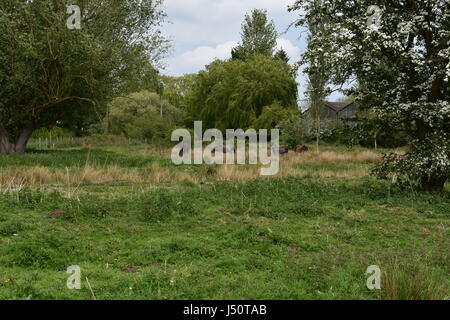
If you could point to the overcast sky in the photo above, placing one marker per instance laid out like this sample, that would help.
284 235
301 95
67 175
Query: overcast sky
203 30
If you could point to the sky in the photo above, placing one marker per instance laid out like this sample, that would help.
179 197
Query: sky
203 30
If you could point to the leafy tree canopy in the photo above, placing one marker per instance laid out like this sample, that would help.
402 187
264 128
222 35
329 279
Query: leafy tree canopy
259 36
49 72
175 89
232 94
137 116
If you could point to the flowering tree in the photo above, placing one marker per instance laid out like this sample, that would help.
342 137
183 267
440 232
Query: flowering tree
318 73
399 54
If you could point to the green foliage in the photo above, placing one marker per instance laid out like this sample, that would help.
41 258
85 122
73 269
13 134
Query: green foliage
52 132
177 88
271 116
370 132
282 56
423 166
77 158
138 116
259 36
232 94
294 130
343 133
49 73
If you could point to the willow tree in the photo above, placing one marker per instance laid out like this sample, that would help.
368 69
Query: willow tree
232 94
399 51
50 73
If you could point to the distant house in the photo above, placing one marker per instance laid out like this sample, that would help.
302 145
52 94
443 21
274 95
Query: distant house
337 110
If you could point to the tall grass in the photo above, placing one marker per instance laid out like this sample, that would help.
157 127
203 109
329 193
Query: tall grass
413 280
108 168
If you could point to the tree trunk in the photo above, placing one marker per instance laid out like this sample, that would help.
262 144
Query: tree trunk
375 140
317 134
22 141
18 146
433 184
5 145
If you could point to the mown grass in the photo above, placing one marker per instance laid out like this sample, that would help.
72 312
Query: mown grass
296 236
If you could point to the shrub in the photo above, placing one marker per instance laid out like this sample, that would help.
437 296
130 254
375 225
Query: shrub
52 132
137 116
294 130
271 116
426 165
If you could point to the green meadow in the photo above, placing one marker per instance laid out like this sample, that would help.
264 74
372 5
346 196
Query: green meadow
140 227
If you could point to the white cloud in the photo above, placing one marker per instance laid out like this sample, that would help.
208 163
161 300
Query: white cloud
215 10
211 22
195 60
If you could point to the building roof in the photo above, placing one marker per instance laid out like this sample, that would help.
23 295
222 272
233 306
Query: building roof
337 106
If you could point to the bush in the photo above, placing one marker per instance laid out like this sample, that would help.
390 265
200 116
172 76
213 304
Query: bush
137 116
426 165
52 132
271 116
294 130
342 132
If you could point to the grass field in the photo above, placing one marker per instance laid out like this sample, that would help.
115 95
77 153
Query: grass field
140 227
